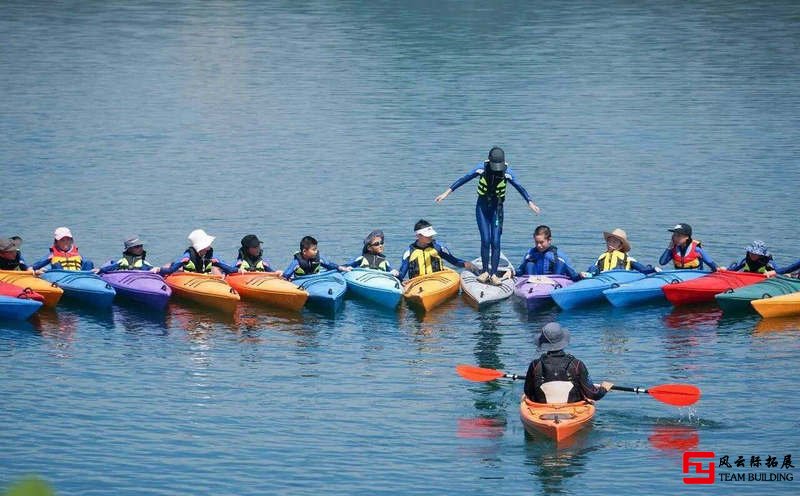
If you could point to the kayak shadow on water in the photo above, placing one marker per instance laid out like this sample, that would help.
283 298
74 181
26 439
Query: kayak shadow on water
693 317
554 464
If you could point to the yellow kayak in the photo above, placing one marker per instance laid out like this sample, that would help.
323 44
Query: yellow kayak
778 306
49 290
205 289
269 289
431 290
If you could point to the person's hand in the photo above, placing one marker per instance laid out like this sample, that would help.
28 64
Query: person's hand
470 266
671 244
395 272
155 270
95 270
533 207
345 268
586 275
606 385
770 273
722 269
241 270
657 269
444 195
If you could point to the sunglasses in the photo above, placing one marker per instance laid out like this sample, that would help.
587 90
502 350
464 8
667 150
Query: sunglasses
377 243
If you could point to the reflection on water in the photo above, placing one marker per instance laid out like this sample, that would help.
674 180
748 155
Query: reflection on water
480 428
778 324
671 437
553 465
693 317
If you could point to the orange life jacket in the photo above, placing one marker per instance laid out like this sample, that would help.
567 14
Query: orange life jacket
691 260
69 260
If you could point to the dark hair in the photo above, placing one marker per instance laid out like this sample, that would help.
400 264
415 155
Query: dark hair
543 230
421 224
307 242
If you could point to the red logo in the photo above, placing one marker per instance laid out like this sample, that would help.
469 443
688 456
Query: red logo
697 467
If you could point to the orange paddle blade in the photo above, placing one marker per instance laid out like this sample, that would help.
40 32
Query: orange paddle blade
675 394
478 374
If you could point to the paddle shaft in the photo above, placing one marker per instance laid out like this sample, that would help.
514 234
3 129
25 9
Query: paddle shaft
636 390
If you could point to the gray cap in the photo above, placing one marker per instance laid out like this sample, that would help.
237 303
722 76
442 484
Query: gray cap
132 241
553 337
10 244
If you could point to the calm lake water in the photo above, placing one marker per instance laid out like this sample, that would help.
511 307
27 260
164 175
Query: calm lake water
331 119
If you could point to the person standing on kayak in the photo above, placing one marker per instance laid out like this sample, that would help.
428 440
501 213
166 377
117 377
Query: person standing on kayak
616 256
556 376
544 258
424 256
10 254
372 256
133 258
199 257
685 252
494 176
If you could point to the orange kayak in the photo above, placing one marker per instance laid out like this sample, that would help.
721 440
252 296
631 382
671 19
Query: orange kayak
778 306
431 290
205 289
49 290
269 289
557 421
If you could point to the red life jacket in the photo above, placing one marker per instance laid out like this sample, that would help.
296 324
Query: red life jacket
691 260
69 260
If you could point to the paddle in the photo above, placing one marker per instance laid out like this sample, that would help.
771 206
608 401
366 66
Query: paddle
671 394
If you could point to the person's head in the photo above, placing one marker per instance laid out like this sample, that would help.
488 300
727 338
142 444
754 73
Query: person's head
134 245
681 234
201 242
496 162
542 238
553 337
424 232
9 247
758 252
373 243
62 238
617 240
251 245
308 248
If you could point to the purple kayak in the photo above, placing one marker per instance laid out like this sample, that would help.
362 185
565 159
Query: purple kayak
535 290
140 286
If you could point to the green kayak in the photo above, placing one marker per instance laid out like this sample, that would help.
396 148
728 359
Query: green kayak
739 299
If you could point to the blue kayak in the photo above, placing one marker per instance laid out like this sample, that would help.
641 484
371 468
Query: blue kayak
12 308
325 290
649 289
375 285
591 290
82 286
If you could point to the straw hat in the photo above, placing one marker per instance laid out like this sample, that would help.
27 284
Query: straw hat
622 236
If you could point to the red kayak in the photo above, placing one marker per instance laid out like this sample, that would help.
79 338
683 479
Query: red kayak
7 289
704 288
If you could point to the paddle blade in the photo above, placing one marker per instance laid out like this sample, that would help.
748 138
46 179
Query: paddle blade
478 374
675 394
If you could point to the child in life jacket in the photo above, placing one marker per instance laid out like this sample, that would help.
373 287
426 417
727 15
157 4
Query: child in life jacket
757 258
616 255
199 257
133 258
63 254
250 258
424 256
308 261
685 252
372 256
11 256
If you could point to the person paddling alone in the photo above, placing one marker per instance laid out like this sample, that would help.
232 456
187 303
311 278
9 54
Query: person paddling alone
556 376
494 175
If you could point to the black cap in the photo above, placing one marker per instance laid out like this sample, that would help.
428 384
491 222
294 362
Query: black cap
682 229
251 241
497 159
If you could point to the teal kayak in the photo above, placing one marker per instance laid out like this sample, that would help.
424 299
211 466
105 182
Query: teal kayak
375 285
738 300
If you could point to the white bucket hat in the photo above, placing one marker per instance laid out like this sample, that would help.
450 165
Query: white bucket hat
200 239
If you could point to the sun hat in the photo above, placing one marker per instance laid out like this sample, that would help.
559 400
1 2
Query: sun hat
62 232
619 233
10 244
200 239
553 337
758 247
132 241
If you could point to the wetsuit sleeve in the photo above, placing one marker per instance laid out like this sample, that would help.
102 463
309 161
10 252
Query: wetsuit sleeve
593 269
22 264
789 268
640 267
666 257
355 263
328 265
177 264
224 267
563 267
588 389
445 253
737 266
111 266
403 271
522 266
706 259
267 266
42 263
289 272
469 176
522 191
530 381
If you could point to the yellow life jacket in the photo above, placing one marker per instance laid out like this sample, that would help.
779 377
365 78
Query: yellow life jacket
132 262
194 261
611 260
372 261
485 187
69 260
246 262
306 267
422 261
